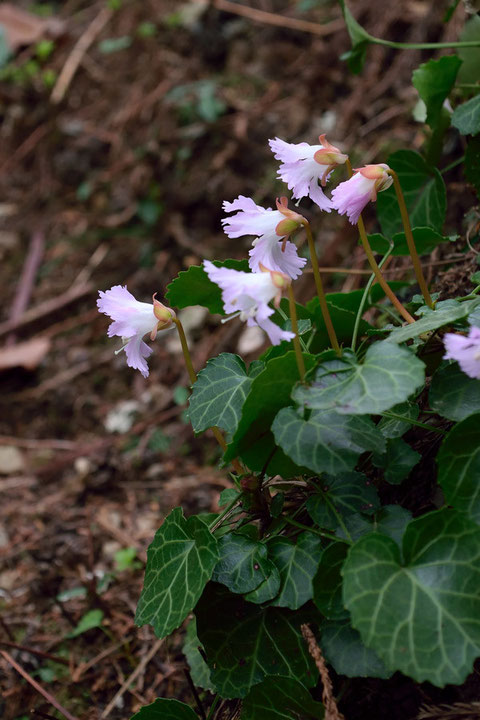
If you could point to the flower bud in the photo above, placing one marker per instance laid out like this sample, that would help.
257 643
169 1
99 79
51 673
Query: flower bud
164 315
330 156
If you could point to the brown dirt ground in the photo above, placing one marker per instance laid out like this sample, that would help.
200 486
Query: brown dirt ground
122 182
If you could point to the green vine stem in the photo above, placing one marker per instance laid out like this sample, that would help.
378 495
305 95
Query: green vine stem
320 292
365 296
424 46
322 533
296 342
193 379
410 241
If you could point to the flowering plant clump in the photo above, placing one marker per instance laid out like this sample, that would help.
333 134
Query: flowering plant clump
319 556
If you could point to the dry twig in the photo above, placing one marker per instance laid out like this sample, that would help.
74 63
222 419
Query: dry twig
331 710
269 18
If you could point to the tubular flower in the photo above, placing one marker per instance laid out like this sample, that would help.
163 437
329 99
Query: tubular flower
303 165
272 228
351 196
132 320
247 295
465 350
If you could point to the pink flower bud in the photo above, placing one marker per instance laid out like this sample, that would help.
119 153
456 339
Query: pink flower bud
350 197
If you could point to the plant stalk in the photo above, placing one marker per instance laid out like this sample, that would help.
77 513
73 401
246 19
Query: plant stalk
193 378
410 241
365 296
296 340
320 292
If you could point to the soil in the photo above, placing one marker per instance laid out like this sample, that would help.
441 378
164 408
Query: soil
121 182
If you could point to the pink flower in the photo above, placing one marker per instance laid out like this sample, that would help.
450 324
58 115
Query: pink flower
465 350
303 165
247 295
132 320
271 228
351 196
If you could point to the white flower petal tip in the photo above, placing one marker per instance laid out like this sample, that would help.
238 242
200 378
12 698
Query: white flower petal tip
303 166
132 320
269 227
247 295
350 197
465 350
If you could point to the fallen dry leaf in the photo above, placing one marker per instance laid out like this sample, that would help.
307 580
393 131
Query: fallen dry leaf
27 354
24 28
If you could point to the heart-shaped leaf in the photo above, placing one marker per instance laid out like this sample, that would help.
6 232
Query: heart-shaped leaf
244 643
180 562
453 394
219 393
344 494
280 698
297 563
326 442
420 613
243 564
434 81
398 460
466 117
459 467
347 654
388 376
164 709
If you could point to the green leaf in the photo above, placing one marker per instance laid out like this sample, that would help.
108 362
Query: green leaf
466 117
163 709
280 698
346 494
326 442
243 563
468 73
269 392
388 376
390 520
193 287
459 467
434 81
297 563
392 427
453 394
424 192
344 650
91 619
421 615
244 643
342 319
426 239
472 163
199 670
359 39
180 562
398 461
267 590
446 312
219 393
327 583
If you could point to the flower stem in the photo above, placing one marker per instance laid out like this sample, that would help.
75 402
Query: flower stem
320 292
410 241
373 263
424 46
296 341
365 296
193 378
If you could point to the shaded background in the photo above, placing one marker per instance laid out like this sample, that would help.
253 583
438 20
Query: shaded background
116 175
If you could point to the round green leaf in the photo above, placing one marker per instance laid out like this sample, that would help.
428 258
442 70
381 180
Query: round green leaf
446 312
466 117
243 564
163 709
327 583
453 394
297 563
421 614
434 81
398 460
345 494
388 376
180 562
244 643
326 442
193 287
267 590
219 393
344 650
459 467
280 698
393 427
